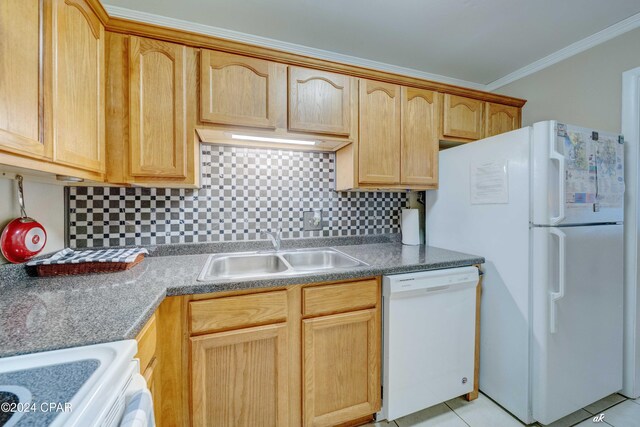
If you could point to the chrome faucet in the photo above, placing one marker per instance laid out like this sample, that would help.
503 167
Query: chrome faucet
275 237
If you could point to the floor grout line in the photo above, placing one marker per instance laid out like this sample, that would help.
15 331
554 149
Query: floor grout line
457 415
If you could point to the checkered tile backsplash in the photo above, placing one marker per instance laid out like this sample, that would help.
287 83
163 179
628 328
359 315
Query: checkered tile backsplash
244 191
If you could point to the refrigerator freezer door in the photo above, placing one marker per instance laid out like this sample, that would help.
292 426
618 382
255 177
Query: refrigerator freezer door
577 317
575 180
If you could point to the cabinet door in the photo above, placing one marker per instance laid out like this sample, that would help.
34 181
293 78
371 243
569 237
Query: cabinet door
500 118
341 368
319 102
239 378
420 114
21 77
462 118
241 91
78 86
379 145
157 114
152 377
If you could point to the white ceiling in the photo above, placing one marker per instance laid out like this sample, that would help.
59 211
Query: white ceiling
475 41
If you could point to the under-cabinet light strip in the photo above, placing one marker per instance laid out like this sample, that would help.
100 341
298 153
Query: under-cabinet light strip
268 139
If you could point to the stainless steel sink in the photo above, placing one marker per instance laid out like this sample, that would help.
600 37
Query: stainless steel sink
246 265
319 260
274 264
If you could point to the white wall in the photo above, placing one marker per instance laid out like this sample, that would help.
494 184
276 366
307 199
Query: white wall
43 202
583 90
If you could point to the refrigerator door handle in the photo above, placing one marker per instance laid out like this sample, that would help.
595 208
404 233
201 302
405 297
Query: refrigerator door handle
554 297
554 155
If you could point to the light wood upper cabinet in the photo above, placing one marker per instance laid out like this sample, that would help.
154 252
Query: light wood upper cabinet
157 112
462 118
419 153
379 148
78 126
241 91
500 118
240 378
21 77
320 102
341 368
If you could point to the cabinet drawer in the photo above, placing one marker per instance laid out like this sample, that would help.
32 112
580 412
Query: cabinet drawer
341 297
238 311
147 339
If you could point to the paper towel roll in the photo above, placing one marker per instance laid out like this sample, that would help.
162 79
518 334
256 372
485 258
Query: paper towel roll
410 227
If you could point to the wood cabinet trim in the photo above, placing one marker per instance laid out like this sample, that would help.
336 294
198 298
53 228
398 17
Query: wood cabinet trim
339 297
147 343
89 15
121 25
239 311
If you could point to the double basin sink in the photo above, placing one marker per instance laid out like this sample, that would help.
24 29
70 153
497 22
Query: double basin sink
274 264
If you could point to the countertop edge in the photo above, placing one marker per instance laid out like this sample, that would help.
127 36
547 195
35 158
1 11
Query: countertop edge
179 289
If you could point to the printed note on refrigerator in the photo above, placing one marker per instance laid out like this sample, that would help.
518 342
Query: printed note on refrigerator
489 182
610 172
580 163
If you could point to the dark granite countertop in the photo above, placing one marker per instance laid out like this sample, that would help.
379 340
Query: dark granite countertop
39 314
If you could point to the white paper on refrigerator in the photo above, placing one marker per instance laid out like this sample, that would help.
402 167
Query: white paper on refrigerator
488 182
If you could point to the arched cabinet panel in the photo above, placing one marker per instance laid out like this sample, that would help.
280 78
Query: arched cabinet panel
241 91
379 147
157 115
319 102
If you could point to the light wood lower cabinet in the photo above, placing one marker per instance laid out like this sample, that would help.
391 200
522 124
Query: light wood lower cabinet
302 355
148 356
341 367
240 378
152 377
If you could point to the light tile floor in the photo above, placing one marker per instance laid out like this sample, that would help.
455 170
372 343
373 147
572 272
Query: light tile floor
484 412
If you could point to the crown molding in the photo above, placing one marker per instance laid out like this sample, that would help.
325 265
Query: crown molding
149 18
615 30
593 40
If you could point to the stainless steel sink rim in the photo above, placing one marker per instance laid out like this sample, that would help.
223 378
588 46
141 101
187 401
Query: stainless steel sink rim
206 275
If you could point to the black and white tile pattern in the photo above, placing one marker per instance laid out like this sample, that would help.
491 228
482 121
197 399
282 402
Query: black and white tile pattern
244 191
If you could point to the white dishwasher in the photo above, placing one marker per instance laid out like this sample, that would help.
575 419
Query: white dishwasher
428 338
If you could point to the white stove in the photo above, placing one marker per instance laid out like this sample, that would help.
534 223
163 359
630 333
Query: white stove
81 386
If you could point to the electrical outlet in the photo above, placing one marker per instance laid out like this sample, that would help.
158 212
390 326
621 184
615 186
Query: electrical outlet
312 220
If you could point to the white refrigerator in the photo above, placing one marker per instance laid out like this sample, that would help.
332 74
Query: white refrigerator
544 206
